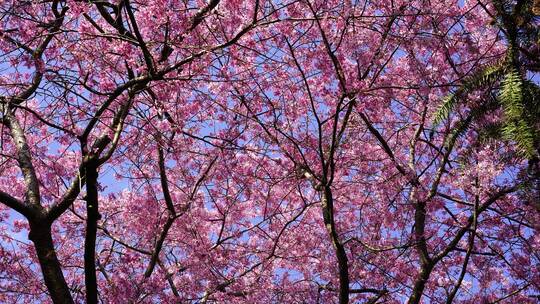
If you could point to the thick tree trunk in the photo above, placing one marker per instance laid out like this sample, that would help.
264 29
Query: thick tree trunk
425 261
41 236
341 255
92 217
420 284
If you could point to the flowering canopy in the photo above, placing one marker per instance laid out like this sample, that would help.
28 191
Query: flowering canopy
261 151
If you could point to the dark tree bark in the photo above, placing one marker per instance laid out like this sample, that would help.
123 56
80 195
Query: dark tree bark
341 255
40 235
92 217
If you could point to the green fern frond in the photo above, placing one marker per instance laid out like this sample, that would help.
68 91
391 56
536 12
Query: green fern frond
518 98
517 128
511 95
475 81
489 132
443 112
464 125
521 134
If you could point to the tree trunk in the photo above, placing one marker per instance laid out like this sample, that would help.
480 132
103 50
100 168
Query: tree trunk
425 261
92 217
420 284
341 255
41 236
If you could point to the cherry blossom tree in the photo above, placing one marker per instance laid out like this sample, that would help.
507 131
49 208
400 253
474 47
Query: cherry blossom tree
264 152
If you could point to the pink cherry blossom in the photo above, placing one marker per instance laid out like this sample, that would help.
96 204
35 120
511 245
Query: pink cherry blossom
259 151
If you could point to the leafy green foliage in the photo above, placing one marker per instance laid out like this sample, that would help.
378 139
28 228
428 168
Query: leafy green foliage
518 97
478 80
516 127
